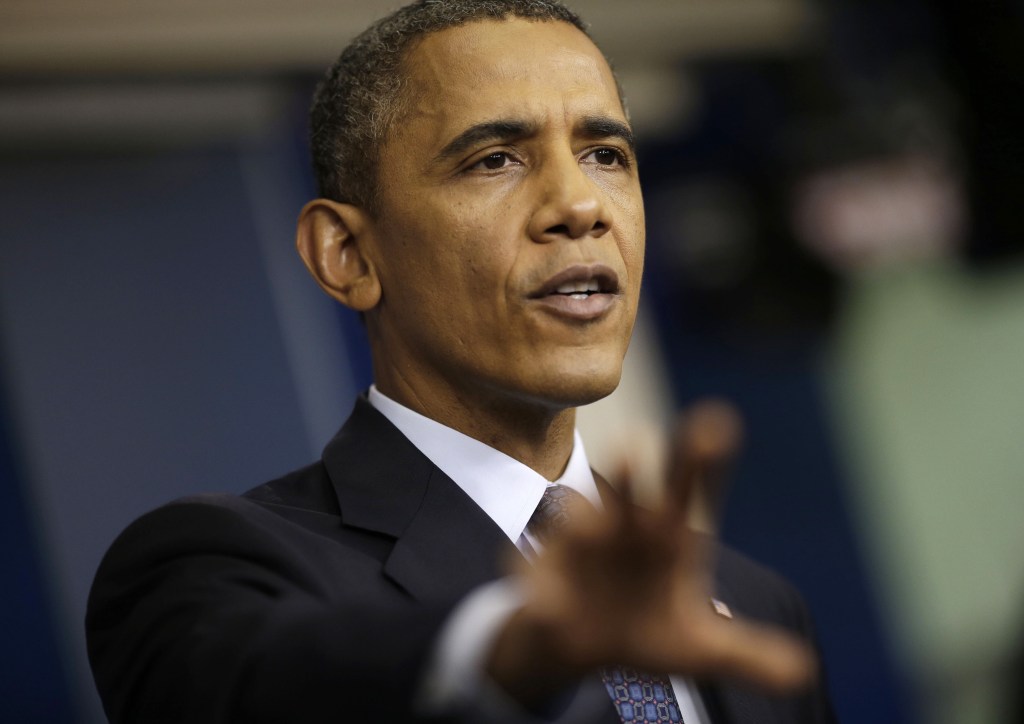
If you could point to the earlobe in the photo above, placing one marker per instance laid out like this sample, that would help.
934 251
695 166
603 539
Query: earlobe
331 239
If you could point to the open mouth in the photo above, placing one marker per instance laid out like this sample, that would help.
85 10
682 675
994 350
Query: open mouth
580 293
579 290
580 282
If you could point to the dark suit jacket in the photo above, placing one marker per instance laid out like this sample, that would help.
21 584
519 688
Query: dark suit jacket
317 597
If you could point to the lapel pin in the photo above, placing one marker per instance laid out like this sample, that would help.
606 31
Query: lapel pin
721 608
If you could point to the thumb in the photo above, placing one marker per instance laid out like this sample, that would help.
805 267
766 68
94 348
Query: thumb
763 655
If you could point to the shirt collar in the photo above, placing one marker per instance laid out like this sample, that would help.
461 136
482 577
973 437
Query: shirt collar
505 489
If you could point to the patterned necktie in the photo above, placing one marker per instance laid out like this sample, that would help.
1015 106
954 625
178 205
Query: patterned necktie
639 698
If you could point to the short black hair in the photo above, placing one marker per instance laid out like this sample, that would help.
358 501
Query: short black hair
361 94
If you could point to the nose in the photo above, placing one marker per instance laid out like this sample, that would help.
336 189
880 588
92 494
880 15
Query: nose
570 206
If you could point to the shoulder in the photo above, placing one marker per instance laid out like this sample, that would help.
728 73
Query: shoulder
259 601
198 534
284 519
189 539
196 522
265 509
308 488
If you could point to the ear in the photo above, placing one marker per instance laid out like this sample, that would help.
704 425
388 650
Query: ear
332 239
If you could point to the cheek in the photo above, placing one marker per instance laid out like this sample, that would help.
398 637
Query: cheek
634 256
632 240
485 257
627 204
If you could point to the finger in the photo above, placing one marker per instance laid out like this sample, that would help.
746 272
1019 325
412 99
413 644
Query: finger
762 655
717 437
681 476
620 509
623 482
706 439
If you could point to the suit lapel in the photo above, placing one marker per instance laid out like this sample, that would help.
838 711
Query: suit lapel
446 544
450 546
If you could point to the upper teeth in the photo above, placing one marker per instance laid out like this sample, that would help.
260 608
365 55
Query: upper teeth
588 285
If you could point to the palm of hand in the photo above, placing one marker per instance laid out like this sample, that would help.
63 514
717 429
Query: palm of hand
629 586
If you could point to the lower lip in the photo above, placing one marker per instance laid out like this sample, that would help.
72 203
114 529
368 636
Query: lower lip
582 309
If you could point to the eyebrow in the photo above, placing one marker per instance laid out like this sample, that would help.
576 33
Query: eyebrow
487 132
598 127
507 130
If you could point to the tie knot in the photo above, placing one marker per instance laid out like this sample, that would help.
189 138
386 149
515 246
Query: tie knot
552 512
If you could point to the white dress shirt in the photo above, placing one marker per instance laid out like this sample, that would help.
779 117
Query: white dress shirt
508 492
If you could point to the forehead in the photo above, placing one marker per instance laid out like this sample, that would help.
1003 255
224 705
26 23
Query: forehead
505 69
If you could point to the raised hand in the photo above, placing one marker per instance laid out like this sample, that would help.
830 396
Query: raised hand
632 587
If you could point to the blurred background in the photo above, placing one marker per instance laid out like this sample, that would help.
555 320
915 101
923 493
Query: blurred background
834 243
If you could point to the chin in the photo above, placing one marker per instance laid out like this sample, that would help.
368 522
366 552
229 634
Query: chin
579 386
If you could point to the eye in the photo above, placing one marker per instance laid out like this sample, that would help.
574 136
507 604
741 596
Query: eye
493 161
606 156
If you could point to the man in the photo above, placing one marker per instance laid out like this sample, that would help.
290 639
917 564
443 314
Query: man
481 208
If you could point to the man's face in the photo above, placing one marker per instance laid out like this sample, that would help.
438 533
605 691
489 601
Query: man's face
510 234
